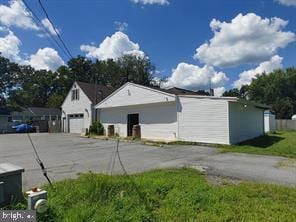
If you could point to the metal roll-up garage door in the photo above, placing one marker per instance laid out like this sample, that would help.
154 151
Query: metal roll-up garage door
76 123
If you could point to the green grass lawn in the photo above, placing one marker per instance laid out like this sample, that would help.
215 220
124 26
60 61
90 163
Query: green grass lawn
167 195
282 143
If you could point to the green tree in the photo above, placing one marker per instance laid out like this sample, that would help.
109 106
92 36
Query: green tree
232 93
26 86
128 68
107 72
9 73
136 69
34 88
277 89
240 93
55 100
80 69
2 101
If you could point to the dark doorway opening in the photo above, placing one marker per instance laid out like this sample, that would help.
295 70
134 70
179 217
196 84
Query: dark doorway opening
132 119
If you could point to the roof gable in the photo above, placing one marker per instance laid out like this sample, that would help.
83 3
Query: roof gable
134 94
95 92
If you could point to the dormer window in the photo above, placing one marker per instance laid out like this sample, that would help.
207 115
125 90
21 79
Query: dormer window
75 94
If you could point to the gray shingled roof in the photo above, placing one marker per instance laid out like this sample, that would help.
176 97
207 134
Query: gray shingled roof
42 111
176 91
96 93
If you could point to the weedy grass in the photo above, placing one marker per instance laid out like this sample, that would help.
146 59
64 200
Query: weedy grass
166 195
282 143
287 163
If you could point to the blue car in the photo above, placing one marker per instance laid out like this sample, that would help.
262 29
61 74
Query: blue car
23 128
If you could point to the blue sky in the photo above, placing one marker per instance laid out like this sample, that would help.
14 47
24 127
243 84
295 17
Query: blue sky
169 32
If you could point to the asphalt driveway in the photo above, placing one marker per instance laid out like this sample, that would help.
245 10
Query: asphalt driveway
66 155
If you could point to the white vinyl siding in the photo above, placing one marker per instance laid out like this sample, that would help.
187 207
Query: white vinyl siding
164 116
203 120
81 106
131 94
157 121
245 122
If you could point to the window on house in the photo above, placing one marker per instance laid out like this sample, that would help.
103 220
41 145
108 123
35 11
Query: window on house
75 94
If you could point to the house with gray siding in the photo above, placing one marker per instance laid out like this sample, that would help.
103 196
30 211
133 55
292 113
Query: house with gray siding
181 115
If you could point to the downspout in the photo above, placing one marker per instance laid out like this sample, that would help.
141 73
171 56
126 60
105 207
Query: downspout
64 124
96 99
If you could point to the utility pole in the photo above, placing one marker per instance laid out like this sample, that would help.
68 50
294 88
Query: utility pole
211 90
96 97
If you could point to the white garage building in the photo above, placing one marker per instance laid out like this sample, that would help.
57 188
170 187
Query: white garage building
78 110
177 114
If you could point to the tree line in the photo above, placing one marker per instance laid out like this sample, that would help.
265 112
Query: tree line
276 89
24 86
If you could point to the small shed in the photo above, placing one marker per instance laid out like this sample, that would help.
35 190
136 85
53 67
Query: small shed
269 122
178 114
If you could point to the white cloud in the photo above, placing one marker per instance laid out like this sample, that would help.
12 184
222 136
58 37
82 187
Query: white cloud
9 46
219 91
113 47
156 81
245 78
16 15
46 58
192 77
287 2
151 2
247 39
46 23
120 26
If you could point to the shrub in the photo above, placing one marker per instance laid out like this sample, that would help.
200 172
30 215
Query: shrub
96 128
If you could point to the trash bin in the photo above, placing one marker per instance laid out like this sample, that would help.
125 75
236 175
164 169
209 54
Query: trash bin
110 130
136 132
11 183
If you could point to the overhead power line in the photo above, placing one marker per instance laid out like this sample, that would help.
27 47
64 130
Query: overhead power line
54 28
39 160
141 194
47 34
